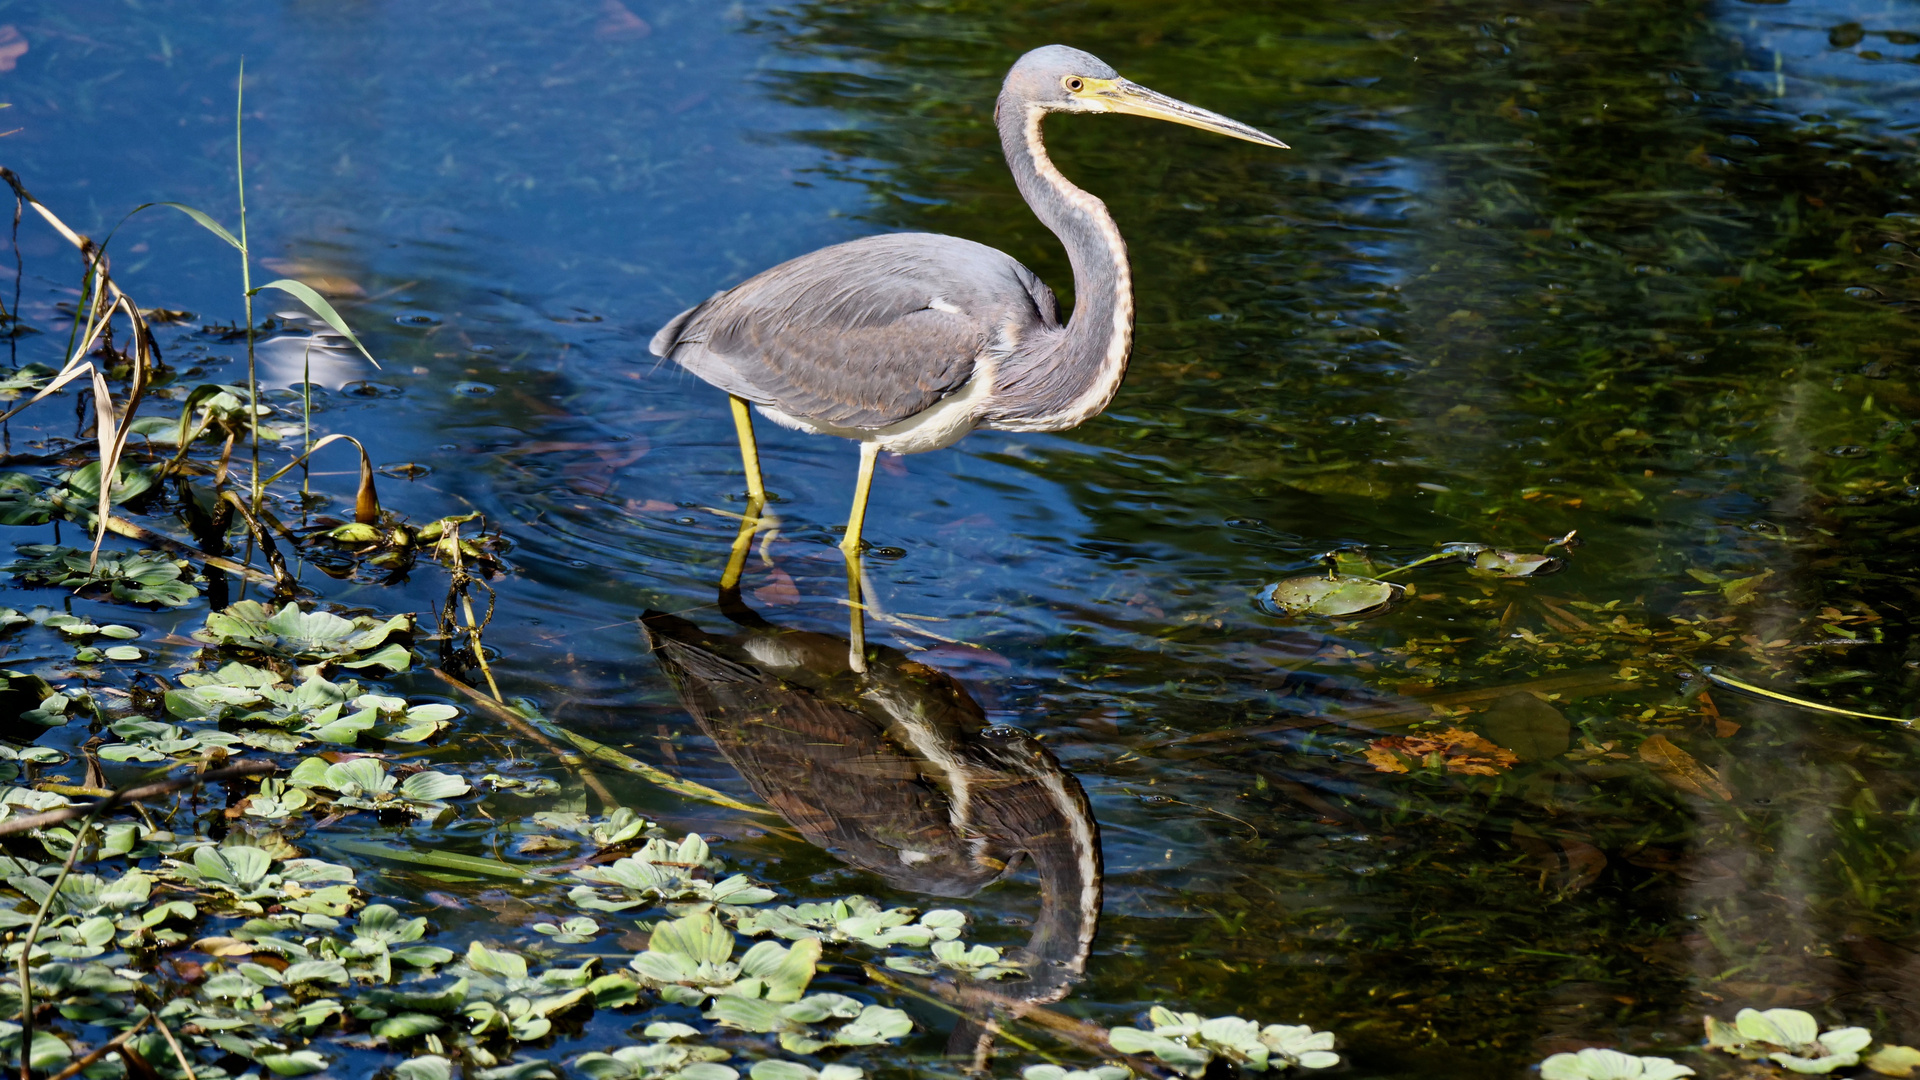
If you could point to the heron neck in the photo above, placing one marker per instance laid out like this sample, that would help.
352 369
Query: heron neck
1067 380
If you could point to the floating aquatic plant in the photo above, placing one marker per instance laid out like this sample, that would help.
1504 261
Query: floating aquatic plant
1187 1043
1057 1072
689 959
142 577
805 1026
975 961
666 1059
1598 1064
1342 596
1788 1037
662 871
310 637
772 1069
620 826
855 918
364 784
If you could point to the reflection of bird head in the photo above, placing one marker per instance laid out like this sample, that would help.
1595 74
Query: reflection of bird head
895 771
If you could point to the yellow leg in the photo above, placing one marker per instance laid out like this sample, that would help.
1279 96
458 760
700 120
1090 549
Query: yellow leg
857 518
750 523
850 547
749 450
856 617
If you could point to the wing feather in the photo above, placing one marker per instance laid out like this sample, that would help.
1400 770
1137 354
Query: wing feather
862 334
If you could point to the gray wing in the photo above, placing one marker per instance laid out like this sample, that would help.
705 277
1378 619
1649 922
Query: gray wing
862 334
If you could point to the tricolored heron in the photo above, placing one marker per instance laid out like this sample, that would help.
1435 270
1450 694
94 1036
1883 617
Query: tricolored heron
907 341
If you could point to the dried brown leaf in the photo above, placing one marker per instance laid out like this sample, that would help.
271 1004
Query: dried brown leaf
1677 767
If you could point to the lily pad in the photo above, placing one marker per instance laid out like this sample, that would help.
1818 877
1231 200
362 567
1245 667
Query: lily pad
1331 596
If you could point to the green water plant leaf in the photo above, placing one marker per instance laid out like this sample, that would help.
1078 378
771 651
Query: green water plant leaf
974 961
1187 1043
1789 1038
48 1049
570 931
1598 1064
659 1060
689 959
620 826
1331 596
239 876
310 636
424 1067
660 871
853 918
1058 1072
522 1069
797 1023
297 1063
363 783
142 577
1902 1061
774 1069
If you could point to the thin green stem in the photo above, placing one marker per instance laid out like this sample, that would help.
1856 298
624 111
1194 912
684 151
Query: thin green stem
33 934
246 279
306 420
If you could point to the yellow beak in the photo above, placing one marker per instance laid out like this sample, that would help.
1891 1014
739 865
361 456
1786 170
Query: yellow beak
1122 96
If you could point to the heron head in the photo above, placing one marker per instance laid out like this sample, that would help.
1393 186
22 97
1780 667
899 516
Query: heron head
1058 78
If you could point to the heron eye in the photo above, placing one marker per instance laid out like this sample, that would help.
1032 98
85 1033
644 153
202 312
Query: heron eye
1075 83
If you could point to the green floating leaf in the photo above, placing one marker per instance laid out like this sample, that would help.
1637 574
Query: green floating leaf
1901 1061
310 636
144 577
424 1067
1598 1064
1337 596
298 1063
433 786
792 1070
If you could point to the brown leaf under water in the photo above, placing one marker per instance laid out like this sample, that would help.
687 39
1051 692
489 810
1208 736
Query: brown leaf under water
618 22
780 591
1459 751
13 46
321 277
1677 767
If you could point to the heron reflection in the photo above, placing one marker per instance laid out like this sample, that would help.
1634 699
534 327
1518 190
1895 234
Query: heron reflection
896 771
